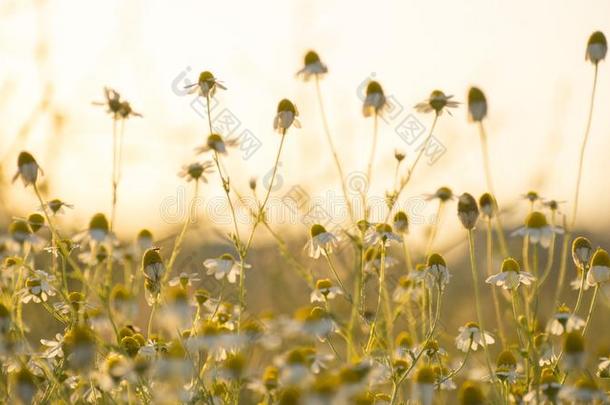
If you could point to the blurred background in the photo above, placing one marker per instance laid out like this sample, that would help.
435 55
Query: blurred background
528 57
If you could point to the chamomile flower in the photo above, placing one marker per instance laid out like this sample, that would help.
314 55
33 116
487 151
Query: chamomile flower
375 101
584 391
437 102
401 222
21 233
53 347
184 279
313 66
488 205
603 367
117 107
597 47
424 385
381 234
224 266
37 288
564 321
286 116
154 270
574 351
405 291
218 144
538 230
546 354
506 367
196 171
547 391
599 271
404 345
372 260
56 206
468 211
471 337
98 231
320 241
144 240
443 194
471 394
582 251
477 104
206 85
436 272
324 291
27 169
510 276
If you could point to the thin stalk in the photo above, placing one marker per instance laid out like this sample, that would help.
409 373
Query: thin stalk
591 308
180 238
582 149
494 292
334 150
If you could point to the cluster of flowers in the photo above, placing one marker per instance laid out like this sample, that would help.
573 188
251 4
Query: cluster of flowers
348 346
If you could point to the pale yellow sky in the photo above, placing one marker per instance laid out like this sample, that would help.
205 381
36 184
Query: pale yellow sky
527 56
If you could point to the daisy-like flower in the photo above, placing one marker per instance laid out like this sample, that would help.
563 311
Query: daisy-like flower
286 116
597 47
56 206
506 367
381 234
553 205
443 194
206 85
375 101
313 66
488 205
547 391
477 104
21 233
401 222
574 351
471 337
563 321
217 144
538 230
225 265
27 169
603 367
53 347
404 345
510 276
98 231
437 102
584 391
153 269
144 240
372 260
424 385
532 197
118 108
196 171
436 271
582 251
324 291
599 272
405 291
546 354
468 211
37 288
471 394
320 241
184 279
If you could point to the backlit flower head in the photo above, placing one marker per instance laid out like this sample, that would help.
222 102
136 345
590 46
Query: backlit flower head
597 47
27 169
286 116
468 211
56 206
443 194
324 291
584 391
538 230
563 321
115 106
401 222
437 273
437 102
36 221
37 288
320 241
206 85
218 144
573 351
197 171
477 104
599 272
471 337
313 66
471 394
511 276
381 233
582 251
488 205
224 266
375 101
424 384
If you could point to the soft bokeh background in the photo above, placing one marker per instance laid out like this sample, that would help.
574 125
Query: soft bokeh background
56 57
527 56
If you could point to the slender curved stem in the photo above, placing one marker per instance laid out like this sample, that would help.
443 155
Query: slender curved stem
494 292
582 150
591 308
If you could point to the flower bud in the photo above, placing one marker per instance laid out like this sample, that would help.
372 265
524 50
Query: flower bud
581 252
468 211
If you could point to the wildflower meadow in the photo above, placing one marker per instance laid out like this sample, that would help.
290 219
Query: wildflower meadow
87 316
